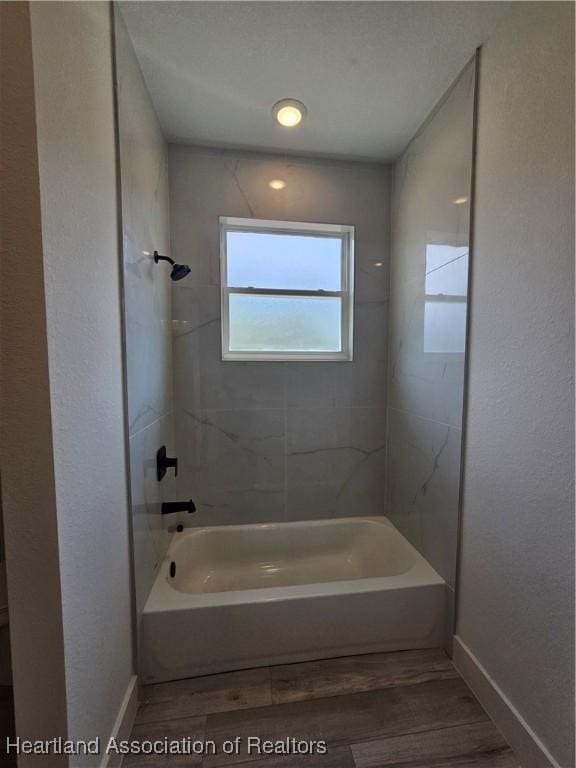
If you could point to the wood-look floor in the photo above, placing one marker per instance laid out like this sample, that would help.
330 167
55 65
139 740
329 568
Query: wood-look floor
7 726
409 709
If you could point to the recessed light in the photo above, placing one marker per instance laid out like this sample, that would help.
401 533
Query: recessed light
460 200
289 112
378 263
277 184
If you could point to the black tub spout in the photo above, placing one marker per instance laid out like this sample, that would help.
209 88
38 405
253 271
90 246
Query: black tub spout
178 506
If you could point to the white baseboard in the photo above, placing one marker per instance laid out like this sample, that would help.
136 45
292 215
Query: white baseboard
124 722
529 750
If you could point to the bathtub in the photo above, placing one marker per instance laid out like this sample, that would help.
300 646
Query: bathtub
240 596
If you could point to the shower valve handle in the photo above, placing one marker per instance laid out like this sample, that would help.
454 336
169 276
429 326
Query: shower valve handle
163 463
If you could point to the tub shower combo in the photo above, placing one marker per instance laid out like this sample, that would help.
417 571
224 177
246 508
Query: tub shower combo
303 356
335 587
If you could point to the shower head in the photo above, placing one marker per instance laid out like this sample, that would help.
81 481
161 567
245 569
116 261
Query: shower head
178 270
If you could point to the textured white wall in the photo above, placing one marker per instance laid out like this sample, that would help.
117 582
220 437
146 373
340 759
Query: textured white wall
515 607
26 458
76 147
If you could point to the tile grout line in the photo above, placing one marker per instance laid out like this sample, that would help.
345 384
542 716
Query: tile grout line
424 418
289 408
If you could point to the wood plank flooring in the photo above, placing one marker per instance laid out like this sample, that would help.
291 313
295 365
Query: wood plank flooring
409 709
7 725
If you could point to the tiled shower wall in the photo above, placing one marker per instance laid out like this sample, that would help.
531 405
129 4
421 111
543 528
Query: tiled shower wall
431 205
265 441
148 309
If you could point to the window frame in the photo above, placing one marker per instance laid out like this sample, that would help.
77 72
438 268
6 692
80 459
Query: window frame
344 232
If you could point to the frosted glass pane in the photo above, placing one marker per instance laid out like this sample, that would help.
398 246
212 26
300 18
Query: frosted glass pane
285 323
263 260
445 326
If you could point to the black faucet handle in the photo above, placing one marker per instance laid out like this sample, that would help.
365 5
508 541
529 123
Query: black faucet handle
163 463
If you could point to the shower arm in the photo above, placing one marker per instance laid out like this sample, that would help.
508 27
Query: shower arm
158 258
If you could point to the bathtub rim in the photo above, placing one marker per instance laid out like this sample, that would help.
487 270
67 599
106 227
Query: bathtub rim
164 598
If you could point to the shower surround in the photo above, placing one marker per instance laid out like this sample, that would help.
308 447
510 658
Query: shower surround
147 309
268 441
428 276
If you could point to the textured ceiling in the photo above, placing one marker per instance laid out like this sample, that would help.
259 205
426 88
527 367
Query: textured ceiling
368 72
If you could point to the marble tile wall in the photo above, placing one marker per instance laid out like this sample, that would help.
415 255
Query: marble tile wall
148 308
265 441
430 235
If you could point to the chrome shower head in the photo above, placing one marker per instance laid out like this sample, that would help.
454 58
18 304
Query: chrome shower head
178 270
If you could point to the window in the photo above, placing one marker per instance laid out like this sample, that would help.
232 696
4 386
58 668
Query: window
446 291
287 290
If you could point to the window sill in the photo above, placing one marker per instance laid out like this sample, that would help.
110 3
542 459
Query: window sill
287 357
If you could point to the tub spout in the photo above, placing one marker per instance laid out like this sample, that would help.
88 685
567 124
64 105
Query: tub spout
178 506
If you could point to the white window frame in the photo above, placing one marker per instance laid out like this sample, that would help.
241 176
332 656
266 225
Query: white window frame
343 232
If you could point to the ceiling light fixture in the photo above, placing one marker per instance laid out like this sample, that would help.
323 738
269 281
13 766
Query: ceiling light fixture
289 112
277 184
460 200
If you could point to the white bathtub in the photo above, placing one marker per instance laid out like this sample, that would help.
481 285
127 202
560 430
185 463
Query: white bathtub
252 595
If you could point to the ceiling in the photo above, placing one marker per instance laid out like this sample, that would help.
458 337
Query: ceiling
368 72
